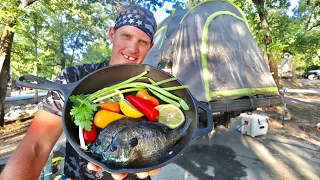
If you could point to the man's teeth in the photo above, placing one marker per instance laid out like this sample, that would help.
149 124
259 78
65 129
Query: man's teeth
130 58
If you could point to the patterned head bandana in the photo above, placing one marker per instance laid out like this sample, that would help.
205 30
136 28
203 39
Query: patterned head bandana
138 17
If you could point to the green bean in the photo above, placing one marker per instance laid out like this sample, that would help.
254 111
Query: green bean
164 98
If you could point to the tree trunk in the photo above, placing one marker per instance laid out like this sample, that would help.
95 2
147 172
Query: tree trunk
294 76
5 51
35 72
74 47
63 59
273 68
260 5
35 64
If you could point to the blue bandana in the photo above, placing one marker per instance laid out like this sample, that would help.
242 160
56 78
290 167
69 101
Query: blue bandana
144 20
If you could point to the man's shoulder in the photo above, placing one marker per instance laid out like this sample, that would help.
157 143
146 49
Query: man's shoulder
77 72
88 66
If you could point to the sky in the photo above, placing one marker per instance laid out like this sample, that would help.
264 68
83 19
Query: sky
294 3
160 14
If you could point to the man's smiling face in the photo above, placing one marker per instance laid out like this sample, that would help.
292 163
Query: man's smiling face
130 45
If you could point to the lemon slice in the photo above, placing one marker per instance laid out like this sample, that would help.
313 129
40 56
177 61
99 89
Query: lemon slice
129 110
170 115
115 98
159 107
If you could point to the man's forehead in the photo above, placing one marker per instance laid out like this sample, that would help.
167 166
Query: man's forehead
134 31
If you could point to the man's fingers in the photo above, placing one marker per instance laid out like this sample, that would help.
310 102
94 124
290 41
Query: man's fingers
119 176
142 175
94 167
154 172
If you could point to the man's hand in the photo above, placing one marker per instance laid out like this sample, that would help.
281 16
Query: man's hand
140 175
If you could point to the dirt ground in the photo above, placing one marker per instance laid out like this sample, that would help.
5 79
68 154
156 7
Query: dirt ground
300 84
303 109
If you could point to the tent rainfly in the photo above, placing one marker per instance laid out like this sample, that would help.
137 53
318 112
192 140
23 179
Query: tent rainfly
212 50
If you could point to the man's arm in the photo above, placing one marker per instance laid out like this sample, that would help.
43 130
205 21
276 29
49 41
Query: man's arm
32 153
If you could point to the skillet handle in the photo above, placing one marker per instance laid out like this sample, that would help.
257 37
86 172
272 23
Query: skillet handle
42 83
208 129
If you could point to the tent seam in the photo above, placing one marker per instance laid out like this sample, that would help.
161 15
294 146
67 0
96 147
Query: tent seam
165 32
204 48
242 91
231 3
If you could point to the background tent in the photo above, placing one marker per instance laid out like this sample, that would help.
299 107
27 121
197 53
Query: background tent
213 51
285 67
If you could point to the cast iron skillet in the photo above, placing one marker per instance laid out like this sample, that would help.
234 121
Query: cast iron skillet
111 75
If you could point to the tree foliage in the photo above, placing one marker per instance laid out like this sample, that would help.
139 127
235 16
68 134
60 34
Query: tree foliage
97 52
45 36
67 31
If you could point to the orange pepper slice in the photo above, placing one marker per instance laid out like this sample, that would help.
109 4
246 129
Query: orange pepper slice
103 117
146 96
110 106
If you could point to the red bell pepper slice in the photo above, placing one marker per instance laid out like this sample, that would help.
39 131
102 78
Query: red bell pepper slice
90 136
142 105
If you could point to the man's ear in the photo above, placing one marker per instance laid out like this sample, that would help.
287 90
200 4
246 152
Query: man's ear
151 45
111 34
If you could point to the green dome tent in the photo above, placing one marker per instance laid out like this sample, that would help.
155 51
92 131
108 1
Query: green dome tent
212 50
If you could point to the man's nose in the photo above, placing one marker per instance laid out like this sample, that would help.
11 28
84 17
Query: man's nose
133 47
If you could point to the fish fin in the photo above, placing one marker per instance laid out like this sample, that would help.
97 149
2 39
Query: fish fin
183 129
165 127
186 125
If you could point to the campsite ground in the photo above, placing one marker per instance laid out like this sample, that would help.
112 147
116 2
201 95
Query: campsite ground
285 152
304 109
299 135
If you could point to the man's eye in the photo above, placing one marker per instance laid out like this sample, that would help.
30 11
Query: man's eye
126 36
143 42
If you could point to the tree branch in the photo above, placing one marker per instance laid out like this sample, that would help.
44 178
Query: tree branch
58 64
309 19
28 3
316 25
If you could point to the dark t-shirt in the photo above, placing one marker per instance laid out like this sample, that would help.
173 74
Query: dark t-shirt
75 166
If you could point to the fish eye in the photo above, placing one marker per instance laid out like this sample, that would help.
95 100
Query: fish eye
113 148
133 142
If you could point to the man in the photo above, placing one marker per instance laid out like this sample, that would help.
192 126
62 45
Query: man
132 38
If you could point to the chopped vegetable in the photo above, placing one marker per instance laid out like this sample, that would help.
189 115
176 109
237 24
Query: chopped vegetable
146 96
164 98
115 98
164 81
90 136
82 111
150 112
116 93
84 106
116 86
110 106
182 103
129 110
82 143
103 117
176 88
170 115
